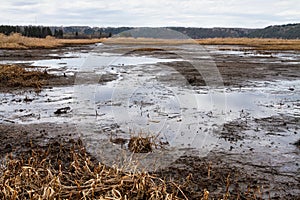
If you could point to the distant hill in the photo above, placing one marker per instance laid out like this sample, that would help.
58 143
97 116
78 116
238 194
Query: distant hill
194 33
198 33
288 31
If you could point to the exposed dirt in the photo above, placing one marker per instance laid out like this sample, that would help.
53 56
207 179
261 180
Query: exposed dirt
17 138
237 70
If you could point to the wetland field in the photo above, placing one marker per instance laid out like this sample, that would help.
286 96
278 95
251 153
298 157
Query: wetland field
215 119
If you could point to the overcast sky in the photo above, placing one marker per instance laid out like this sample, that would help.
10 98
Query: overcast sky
153 13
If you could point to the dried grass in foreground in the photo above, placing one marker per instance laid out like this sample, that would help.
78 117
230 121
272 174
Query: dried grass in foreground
18 76
62 172
17 41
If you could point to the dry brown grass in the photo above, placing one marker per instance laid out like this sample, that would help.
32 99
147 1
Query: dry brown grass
18 76
140 144
16 41
145 143
62 172
257 43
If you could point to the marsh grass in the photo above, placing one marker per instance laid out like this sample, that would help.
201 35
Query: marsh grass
17 41
68 172
256 43
19 76
64 170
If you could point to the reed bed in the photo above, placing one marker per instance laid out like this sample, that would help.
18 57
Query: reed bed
68 172
17 41
64 170
256 43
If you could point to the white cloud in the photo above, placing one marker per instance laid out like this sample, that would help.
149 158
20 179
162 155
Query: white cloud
200 13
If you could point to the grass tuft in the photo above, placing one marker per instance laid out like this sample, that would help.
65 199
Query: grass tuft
145 143
140 144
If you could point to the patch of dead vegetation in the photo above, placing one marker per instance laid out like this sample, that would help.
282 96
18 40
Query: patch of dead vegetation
17 41
140 144
145 143
18 76
66 171
257 43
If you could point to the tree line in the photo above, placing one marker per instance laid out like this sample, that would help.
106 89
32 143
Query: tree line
31 31
287 31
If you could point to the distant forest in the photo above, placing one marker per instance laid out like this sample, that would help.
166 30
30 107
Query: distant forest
31 31
288 31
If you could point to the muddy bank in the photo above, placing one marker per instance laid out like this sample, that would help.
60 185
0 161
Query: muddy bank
193 173
17 138
220 173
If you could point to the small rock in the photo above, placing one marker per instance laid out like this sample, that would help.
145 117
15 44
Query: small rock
297 143
62 110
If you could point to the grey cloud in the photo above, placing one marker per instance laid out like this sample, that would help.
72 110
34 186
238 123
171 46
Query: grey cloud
212 13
